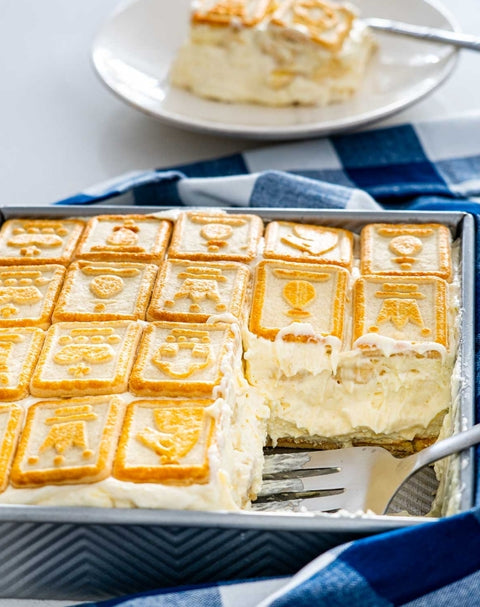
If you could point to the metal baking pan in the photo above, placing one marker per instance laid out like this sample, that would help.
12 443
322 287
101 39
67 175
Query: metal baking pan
93 553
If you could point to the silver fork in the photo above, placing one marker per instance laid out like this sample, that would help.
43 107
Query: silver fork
354 479
422 32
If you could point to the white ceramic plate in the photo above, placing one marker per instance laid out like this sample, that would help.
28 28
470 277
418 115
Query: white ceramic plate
135 47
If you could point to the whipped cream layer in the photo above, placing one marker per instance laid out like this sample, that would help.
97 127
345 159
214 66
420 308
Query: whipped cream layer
270 65
313 393
378 388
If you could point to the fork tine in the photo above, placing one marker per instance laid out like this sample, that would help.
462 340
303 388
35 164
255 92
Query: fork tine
330 503
323 483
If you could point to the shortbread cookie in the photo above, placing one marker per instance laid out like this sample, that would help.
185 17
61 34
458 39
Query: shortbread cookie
96 290
191 291
68 441
273 52
165 441
412 309
86 358
216 236
287 293
245 12
11 417
28 294
19 351
179 359
406 250
35 241
308 243
142 238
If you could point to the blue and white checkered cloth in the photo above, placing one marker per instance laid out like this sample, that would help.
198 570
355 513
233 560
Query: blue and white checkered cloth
429 166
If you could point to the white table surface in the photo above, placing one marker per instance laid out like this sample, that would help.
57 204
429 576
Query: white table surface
62 131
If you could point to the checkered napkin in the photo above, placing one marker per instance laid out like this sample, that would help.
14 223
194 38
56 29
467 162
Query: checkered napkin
430 166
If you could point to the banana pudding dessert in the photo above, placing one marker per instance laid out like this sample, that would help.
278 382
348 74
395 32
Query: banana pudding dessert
149 364
273 52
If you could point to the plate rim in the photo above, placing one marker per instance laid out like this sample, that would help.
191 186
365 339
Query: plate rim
284 132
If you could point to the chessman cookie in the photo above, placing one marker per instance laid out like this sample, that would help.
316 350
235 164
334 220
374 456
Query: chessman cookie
246 12
406 250
39 241
68 441
142 238
11 417
19 351
204 236
165 441
287 293
179 359
188 291
412 309
28 294
308 243
86 358
96 291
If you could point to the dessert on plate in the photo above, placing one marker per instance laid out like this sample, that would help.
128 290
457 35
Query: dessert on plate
273 52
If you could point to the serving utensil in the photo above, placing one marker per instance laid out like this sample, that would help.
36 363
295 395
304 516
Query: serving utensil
422 32
353 479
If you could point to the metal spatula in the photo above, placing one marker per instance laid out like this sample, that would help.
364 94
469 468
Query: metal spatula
354 479
422 32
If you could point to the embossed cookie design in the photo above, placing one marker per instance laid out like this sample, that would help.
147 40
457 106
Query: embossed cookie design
165 441
19 351
28 294
86 358
406 250
224 12
285 293
35 241
11 417
105 291
412 309
178 359
308 243
68 441
326 23
211 236
193 291
141 238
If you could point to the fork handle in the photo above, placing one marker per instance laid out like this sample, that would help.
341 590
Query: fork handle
447 446
425 33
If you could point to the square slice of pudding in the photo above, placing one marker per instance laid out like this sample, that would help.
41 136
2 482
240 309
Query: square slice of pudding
199 236
68 441
39 241
105 291
28 294
165 441
82 358
178 359
188 291
273 52
141 238
308 243
406 250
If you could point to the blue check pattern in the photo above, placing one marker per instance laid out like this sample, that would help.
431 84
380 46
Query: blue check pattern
429 166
